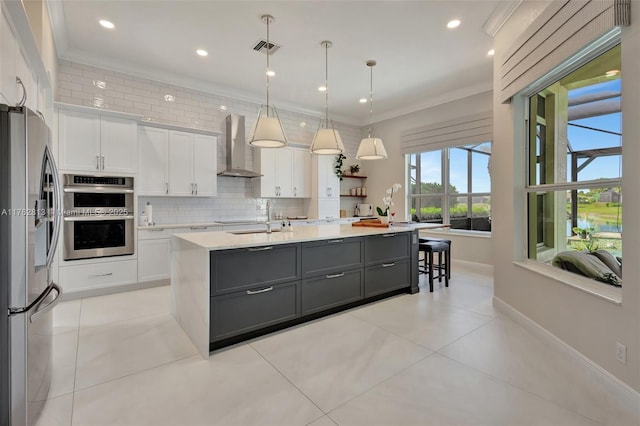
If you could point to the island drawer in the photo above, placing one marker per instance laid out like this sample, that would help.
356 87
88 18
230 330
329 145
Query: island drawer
337 254
330 290
249 310
245 268
387 247
386 277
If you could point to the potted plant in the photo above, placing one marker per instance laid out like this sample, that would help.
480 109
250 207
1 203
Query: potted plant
355 168
385 212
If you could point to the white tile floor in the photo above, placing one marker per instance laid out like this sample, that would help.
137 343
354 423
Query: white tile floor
427 359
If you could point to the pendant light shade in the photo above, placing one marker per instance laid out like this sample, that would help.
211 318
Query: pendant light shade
268 131
371 148
327 140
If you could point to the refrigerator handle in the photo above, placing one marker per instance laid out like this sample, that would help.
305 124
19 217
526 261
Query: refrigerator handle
57 208
39 309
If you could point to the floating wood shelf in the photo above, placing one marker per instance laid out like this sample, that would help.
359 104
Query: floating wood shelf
354 196
354 176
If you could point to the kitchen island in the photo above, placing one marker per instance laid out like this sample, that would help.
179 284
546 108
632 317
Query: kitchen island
229 287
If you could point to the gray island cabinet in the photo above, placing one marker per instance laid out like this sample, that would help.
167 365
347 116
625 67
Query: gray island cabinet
228 288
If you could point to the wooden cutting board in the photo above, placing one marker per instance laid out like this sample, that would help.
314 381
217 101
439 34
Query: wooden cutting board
371 224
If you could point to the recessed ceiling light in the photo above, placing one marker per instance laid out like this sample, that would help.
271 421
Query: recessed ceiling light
303 124
363 100
271 72
223 107
612 73
453 24
107 24
491 52
322 89
169 98
202 52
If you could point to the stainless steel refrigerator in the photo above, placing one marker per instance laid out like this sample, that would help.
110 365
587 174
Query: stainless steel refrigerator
30 218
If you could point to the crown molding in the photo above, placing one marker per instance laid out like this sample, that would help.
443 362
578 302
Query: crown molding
500 15
58 25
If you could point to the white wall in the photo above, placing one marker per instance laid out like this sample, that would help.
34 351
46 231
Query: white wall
384 173
585 321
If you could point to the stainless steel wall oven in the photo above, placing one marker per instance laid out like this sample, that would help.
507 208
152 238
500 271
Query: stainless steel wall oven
98 216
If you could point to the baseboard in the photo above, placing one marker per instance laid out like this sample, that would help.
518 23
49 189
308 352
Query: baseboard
80 294
556 342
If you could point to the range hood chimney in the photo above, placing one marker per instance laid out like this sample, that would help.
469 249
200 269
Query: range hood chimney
236 146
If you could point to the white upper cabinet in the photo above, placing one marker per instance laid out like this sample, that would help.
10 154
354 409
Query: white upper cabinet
95 142
328 184
205 163
285 172
177 163
8 49
301 173
153 152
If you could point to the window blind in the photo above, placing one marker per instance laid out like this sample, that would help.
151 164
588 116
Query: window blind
461 131
564 28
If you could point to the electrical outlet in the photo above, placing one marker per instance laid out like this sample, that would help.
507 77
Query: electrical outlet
621 352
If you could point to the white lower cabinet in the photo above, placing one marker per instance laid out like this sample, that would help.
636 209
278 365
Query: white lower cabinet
153 259
91 276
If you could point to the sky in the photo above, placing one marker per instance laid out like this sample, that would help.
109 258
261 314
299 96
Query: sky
603 167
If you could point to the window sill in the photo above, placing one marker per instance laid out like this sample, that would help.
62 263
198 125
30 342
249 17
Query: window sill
609 293
459 232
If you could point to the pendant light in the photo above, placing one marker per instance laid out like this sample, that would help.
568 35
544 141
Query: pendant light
268 131
371 148
327 140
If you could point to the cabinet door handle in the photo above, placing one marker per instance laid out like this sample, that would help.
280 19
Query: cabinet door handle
334 241
295 191
103 162
166 187
196 188
23 99
260 248
108 274
388 265
197 227
388 235
97 162
264 290
341 274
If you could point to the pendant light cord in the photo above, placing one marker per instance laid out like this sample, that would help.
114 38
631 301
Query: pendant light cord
370 100
326 83
267 71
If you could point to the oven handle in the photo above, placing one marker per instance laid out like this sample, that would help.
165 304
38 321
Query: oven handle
98 190
97 217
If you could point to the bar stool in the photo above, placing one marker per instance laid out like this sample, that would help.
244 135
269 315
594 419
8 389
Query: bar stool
429 248
448 254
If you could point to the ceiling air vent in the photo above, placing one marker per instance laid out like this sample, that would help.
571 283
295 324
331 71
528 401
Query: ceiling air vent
261 46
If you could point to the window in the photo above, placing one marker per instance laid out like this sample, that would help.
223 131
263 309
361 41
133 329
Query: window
574 190
452 186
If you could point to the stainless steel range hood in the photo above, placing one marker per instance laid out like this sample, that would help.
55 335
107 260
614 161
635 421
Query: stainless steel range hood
236 147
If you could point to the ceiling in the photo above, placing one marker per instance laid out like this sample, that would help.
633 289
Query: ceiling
421 63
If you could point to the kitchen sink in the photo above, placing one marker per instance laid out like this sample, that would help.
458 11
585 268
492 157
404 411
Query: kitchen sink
252 231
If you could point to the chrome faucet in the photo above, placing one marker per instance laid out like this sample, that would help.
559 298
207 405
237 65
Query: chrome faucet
268 222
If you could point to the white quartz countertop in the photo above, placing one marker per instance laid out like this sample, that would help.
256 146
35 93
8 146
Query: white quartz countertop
221 240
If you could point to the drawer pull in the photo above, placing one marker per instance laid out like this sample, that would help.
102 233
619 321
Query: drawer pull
260 248
157 230
264 290
108 274
388 265
198 227
388 235
334 241
336 275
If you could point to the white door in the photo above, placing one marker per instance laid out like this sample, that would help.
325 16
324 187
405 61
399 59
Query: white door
284 171
153 259
205 165
181 164
153 154
119 149
79 141
8 47
268 180
328 208
301 173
